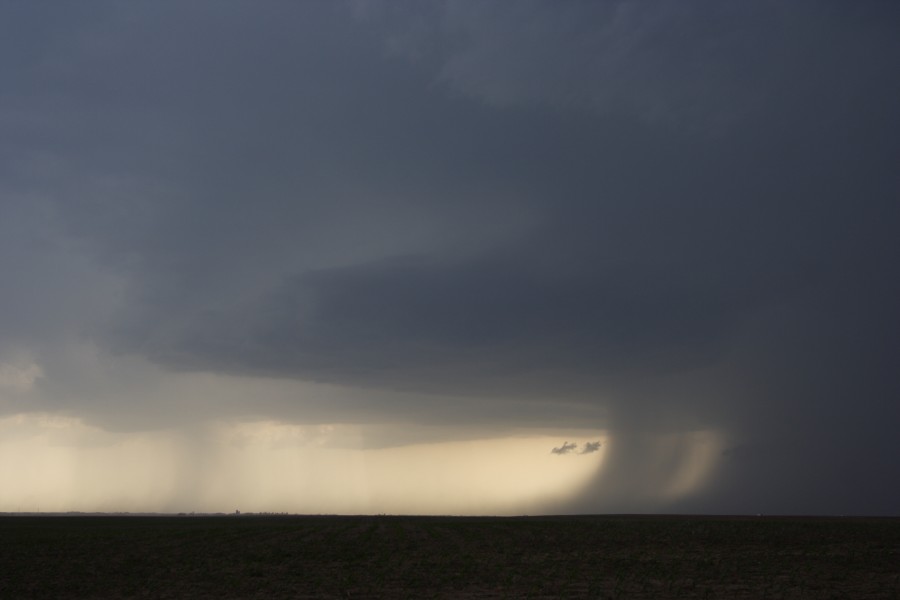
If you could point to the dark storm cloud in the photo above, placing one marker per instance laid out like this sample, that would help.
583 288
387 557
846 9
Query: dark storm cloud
653 216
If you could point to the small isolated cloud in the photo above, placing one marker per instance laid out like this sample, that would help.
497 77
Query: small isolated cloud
566 448
590 447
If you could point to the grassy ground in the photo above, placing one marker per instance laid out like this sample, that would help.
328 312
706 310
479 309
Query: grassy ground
444 557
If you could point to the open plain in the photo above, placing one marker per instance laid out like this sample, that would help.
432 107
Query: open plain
448 557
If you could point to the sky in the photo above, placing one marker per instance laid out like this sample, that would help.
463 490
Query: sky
450 257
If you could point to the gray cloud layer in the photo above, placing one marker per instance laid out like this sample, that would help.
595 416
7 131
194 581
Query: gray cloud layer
638 216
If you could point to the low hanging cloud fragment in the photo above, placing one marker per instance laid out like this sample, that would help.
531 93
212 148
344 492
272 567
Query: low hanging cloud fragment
566 448
571 447
590 447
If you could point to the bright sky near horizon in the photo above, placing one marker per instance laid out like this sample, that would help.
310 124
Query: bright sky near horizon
277 467
450 256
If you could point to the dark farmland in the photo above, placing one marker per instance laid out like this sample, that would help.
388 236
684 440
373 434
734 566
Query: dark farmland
448 557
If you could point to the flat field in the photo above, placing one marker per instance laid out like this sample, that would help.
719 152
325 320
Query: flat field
448 557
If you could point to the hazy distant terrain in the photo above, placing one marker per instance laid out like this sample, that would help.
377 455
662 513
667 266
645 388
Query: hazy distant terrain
448 557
